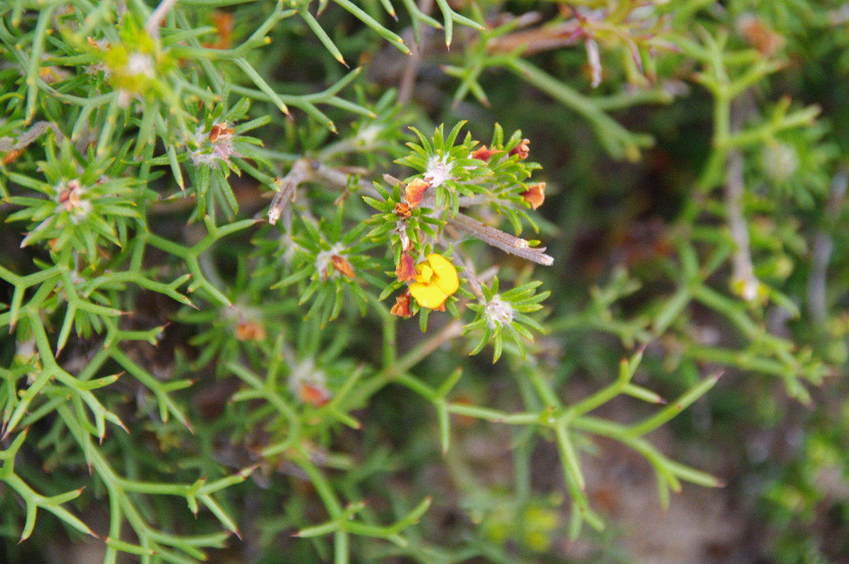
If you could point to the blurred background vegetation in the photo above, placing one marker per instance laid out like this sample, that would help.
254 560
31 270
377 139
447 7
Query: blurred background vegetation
695 208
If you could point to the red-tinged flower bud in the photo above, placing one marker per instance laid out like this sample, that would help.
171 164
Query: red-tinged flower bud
415 191
535 194
402 209
12 156
522 150
483 154
250 331
342 265
313 394
220 130
71 195
406 269
402 306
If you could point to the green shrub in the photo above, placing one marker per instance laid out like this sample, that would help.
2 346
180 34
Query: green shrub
250 245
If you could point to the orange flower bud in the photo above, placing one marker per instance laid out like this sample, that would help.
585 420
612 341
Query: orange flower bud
250 331
415 191
402 306
12 156
535 194
483 154
402 209
522 150
313 394
220 130
406 269
342 265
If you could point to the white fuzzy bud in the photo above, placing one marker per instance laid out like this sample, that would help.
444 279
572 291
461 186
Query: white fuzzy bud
498 312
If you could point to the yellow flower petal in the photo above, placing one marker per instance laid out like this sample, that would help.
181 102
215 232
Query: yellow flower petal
446 274
428 295
436 279
425 273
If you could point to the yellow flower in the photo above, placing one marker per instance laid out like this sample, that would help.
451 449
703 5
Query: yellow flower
436 279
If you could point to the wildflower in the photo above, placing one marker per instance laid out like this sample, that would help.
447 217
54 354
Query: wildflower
12 156
483 154
498 313
313 394
250 331
402 209
406 269
216 145
415 191
535 194
438 171
402 306
70 195
70 199
246 322
333 258
522 150
220 130
436 279
309 384
341 264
